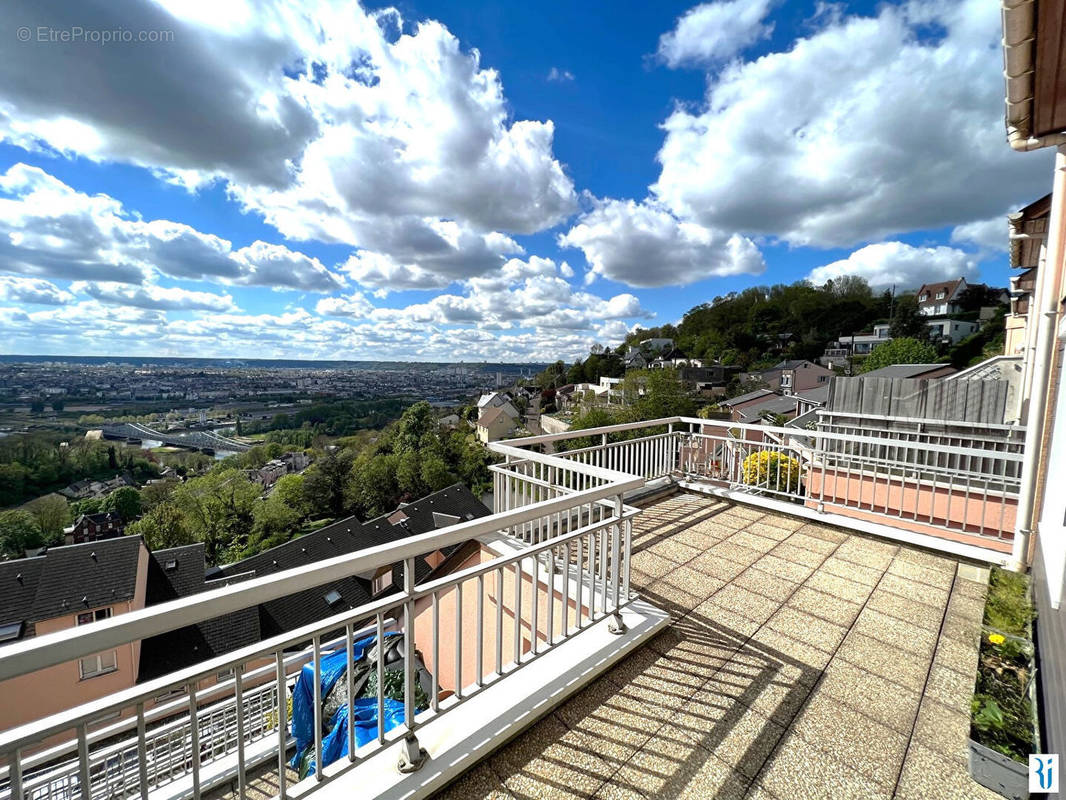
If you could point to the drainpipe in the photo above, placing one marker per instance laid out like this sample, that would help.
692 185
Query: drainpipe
1054 257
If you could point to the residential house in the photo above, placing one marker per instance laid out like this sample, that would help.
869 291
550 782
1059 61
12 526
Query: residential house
498 400
94 527
940 299
951 331
706 378
494 423
789 377
768 409
810 399
1036 118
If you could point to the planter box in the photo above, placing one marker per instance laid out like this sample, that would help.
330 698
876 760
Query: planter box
998 772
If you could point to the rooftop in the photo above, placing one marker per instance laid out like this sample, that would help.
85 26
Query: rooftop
802 661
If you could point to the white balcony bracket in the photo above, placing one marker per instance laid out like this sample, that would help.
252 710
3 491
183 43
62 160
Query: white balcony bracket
412 756
616 625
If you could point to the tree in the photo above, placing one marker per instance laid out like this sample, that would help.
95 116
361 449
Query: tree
90 505
217 510
907 321
325 483
155 494
19 532
58 404
900 351
163 526
52 513
289 489
37 407
126 502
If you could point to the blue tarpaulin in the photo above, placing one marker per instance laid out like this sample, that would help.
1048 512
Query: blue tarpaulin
335 742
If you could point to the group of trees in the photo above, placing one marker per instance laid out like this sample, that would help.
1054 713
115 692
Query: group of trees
337 418
33 465
648 394
365 475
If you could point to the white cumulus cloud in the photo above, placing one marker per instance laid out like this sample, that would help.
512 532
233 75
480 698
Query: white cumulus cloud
712 32
901 265
643 244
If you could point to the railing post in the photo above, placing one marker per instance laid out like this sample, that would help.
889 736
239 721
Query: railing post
412 756
616 625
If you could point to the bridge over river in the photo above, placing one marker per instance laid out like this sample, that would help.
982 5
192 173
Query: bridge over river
207 441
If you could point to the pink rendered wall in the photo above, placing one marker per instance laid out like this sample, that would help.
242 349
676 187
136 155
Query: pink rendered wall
54 689
497 593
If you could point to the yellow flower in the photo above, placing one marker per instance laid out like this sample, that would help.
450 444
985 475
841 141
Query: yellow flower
996 638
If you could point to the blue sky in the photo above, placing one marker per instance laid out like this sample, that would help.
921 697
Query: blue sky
444 181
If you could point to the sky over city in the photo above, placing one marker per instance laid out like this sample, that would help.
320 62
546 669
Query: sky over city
481 181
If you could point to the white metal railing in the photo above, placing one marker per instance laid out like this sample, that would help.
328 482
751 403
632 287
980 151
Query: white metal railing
114 751
573 572
901 474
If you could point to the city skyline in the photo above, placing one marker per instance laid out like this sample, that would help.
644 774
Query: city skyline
481 183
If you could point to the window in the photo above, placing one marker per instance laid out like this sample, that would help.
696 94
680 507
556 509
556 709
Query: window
924 297
823 378
941 295
94 616
101 663
382 581
333 597
224 675
8 633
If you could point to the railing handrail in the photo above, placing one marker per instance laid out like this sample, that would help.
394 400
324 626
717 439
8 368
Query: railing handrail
73 643
510 446
959 423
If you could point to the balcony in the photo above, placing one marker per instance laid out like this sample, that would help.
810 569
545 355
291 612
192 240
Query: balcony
800 619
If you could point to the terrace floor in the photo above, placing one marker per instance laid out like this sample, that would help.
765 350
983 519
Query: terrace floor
804 662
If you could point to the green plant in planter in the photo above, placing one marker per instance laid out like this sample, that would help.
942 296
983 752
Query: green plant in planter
1007 608
394 688
1001 711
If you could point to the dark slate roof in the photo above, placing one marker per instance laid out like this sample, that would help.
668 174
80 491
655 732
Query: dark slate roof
18 588
190 645
90 575
175 572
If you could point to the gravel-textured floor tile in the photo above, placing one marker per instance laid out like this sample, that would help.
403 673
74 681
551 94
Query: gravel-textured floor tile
857 741
783 568
880 658
927 774
550 761
888 703
820 604
790 775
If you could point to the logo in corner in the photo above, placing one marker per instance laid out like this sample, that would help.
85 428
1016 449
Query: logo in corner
1043 773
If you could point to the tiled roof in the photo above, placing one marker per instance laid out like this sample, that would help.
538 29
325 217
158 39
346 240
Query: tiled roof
192 644
933 288
175 572
18 588
90 575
